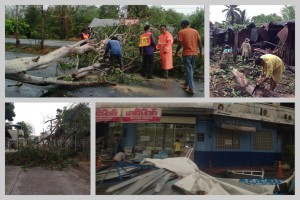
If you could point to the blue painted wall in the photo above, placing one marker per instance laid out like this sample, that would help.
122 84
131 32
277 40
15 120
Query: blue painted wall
205 152
234 159
129 135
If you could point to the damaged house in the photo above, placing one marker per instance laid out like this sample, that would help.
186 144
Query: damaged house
275 37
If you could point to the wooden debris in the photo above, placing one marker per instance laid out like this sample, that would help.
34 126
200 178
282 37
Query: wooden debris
259 92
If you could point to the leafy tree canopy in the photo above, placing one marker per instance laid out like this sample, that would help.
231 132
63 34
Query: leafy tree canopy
9 111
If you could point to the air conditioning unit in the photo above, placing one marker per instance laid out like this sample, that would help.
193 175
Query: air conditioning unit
288 117
221 107
264 112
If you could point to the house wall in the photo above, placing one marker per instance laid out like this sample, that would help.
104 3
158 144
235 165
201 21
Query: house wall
207 155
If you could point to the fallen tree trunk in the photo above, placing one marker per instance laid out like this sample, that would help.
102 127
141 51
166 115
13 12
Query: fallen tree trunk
259 92
40 62
43 81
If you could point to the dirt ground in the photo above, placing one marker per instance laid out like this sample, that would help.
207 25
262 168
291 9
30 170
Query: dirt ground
223 83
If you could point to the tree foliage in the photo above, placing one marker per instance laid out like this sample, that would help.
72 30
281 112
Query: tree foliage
197 22
73 121
231 13
27 128
262 18
108 11
243 19
9 111
288 12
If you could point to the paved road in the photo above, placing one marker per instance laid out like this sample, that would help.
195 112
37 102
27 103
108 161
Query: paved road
157 87
39 181
52 43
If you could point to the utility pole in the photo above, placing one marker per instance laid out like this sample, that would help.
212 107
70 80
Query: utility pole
17 27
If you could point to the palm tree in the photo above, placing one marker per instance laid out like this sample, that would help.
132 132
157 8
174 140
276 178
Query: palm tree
232 13
243 19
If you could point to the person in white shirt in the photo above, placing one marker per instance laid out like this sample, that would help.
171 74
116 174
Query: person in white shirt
119 156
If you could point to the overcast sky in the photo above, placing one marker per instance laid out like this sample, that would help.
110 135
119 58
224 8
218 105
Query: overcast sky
36 113
185 9
251 10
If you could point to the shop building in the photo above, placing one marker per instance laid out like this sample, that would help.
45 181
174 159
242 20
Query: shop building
221 135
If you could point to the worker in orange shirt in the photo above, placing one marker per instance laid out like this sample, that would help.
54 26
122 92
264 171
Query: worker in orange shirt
190 40
165 42
85 35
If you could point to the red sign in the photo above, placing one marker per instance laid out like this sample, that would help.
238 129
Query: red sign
108 114
130 115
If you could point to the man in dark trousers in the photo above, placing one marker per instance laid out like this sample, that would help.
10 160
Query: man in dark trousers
189 39
115 49
147 48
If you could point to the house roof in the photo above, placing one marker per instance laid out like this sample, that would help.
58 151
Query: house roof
103 22
111 22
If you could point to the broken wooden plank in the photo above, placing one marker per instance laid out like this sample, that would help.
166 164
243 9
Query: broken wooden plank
162 182
140 183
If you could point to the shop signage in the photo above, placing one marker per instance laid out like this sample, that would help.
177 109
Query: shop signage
239 128
134 115
108 115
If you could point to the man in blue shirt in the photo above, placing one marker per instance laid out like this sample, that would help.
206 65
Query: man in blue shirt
114 46
147 48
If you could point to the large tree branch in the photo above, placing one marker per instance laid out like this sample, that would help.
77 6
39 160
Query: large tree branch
42 81
259 92
40 62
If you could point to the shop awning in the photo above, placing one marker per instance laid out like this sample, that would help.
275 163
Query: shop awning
239 128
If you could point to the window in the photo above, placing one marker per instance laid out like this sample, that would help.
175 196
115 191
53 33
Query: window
263 141
163 136
227 139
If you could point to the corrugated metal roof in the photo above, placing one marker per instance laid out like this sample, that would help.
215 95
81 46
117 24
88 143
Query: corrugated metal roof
103 22
283 34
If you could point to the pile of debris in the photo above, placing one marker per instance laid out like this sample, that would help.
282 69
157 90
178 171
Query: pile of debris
175 176
224 83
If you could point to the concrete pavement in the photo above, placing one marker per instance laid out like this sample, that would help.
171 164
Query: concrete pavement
39 181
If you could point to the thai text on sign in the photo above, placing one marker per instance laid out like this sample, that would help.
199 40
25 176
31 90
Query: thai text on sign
108 115
141 115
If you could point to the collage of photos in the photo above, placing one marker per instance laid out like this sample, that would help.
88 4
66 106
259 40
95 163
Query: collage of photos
68 132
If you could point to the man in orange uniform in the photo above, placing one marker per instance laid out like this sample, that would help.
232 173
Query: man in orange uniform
84 36
165 41
147 48
189 39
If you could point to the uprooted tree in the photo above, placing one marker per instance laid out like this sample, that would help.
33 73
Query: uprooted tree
82 60
16 69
